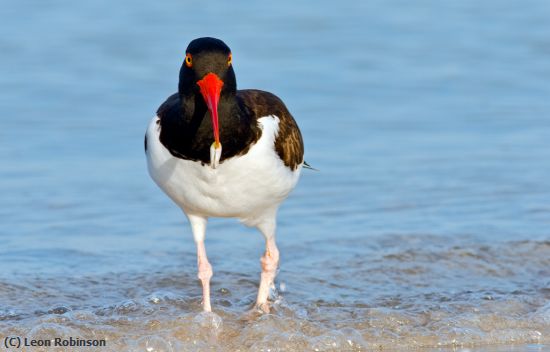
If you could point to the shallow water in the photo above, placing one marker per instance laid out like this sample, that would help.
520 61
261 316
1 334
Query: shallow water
430 292
427 226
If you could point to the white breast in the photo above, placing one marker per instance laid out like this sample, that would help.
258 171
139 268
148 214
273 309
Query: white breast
248 187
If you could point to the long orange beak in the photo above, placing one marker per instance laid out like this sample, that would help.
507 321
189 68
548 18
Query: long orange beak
211 87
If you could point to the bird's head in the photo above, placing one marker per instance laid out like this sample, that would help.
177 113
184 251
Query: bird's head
207 71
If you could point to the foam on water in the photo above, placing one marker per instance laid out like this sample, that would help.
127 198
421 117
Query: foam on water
456 297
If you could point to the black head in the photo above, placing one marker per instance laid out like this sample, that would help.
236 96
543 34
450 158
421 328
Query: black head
203 56
206 78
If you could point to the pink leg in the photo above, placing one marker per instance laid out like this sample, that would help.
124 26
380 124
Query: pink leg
270 262
205 273
198 225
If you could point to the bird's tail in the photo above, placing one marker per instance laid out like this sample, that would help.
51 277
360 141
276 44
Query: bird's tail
307 166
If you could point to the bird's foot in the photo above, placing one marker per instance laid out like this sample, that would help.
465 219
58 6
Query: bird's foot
263 307
270 262
208 320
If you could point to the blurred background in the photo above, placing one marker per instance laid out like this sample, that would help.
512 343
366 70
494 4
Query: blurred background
426 226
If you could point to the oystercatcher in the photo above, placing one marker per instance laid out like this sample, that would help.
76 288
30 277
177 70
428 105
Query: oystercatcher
221 152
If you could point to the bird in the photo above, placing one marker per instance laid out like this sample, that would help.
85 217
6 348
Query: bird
221 152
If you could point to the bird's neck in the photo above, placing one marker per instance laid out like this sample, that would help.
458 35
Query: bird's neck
190 135
198 121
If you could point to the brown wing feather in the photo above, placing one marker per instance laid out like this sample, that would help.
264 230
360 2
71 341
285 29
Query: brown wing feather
288 143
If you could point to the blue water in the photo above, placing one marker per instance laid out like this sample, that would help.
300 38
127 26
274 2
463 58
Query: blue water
428 224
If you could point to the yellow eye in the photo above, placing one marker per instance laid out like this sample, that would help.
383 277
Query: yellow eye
188 60
229 59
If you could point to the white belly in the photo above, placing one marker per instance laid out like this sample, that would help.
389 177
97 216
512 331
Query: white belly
247 187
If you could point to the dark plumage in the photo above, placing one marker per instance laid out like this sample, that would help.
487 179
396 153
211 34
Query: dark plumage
189 137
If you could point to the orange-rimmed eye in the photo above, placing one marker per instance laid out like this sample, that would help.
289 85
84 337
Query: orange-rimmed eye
188 60
229 59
